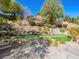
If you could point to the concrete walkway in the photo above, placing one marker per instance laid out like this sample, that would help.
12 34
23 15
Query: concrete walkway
70 50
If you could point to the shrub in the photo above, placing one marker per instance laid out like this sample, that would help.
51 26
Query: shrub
55 42
48 25
74 31
58 23
39 24
65 25
62 29
32 23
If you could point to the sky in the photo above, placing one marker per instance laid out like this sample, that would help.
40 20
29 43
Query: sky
71 7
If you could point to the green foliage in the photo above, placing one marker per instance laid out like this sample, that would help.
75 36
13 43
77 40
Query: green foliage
5 27
44 30
69 19
72 19
74 31
5 4
6 31
32 23
18 20
11 7
63 29
76 20
52 9
39 24
29 16
48 25
56 42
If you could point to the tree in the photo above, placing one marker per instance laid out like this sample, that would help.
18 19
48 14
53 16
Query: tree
5 5
52 9
72 19
76 20
12 8
67 18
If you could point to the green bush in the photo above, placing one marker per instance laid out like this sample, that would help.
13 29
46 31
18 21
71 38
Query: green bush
32 23
48 25
39 24
74 31
62 29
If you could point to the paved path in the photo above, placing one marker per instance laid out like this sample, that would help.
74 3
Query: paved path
69 50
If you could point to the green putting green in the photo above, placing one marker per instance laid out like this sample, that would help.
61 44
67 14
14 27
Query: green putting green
27 36
53 36
59 37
